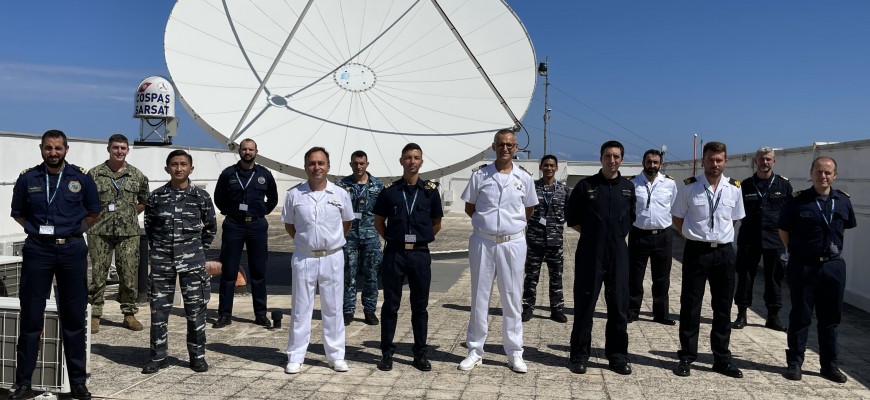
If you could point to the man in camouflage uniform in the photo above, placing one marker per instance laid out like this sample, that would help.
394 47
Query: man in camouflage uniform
180 224
363 248
544 240
123 191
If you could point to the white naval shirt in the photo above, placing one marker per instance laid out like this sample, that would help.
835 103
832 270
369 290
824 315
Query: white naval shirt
317 216
500 199
654 201
693 205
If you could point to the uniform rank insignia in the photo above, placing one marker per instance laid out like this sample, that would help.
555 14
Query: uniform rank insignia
261 180
591 193
74 186
669 177
527 171
478 168
796 193
690 180
431 185
734 182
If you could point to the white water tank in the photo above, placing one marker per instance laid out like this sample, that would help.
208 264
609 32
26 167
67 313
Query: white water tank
155 98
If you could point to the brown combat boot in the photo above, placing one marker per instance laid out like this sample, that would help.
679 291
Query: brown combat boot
131 323
95 324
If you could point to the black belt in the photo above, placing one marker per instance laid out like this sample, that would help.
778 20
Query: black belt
708 245
244 219
399 246
54 239
649 231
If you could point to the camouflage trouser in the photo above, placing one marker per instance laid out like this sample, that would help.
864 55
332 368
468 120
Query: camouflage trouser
194 283
126 249
534 258
365 254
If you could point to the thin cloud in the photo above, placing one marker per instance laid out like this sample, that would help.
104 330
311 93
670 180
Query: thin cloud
66 84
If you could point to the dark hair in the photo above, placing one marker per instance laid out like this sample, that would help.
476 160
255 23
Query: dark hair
652 152
716 147
820 158
359 154
411 146
612 143
314 150
176 153
118 138
54 134
248 140
548 157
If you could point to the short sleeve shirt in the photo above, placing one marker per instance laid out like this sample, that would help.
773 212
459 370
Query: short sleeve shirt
694 204
500 199
318 216
654 201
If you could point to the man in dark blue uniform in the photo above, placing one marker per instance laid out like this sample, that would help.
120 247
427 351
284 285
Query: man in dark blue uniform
602 208
811 225
408 215
245 193
55 202
764 194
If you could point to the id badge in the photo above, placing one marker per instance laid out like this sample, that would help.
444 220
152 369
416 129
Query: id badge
713 236
410 238
243 207
543 221
833 249
46 229
357 215
644 213
111 207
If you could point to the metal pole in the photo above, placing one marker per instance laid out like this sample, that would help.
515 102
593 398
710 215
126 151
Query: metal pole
694 153
546 101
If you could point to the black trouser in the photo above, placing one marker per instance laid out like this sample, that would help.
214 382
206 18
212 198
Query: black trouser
398 264
819 285
610 268
656 247
252 235
747 267
700 264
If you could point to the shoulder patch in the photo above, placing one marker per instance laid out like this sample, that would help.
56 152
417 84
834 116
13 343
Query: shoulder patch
388 184
844 193
84 171
734 182
690 180
796 193
431 185
783 178
526 171
669 177
478 168
24 171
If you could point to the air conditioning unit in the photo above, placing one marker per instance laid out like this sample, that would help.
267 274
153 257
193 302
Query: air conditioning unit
11 245
10 276
51 370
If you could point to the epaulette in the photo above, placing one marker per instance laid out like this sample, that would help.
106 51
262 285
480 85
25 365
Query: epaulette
25 170
389 184
84 171
478 168
628 178
846 194
669 177
734 182
527 171
783 178
431 185
690 180
796 193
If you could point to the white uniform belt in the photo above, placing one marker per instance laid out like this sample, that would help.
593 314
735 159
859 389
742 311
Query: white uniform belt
499 238
319 253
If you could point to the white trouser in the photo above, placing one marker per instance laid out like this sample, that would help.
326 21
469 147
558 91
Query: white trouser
309 273
504 262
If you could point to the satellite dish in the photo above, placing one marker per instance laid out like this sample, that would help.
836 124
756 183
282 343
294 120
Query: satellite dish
348 75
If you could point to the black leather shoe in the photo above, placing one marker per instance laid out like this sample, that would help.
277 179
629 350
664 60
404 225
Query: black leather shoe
21 392
222 321
728 369
665 321
578 367
683 369
834 375
371 318
263 321
80 392
198 365
622 368
739 322
386 363
633 318
773 323
793 373
348 318
558 316
155 366
422 363
528 313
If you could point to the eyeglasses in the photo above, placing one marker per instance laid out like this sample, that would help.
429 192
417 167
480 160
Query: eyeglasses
505 145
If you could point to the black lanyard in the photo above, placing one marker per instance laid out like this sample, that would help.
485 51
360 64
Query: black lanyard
713 206
649 192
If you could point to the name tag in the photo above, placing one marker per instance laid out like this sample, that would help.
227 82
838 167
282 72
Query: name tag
243 207
713 236
543 221
357 215
111 207
46 230
410 238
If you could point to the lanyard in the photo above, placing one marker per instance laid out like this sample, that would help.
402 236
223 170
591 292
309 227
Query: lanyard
248 183
713 206
649 192
410 208
118 187
548 202
766 191
358 191
827 217
56 188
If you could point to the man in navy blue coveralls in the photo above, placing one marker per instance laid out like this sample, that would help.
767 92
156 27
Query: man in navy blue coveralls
55 202
811 226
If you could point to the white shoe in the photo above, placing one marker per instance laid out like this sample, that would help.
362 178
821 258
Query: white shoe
338 365
517 364
293 368
470 362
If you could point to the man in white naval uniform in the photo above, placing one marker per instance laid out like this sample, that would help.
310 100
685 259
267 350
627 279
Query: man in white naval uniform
499 198
317 214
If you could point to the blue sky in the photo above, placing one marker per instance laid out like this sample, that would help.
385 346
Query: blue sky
783 73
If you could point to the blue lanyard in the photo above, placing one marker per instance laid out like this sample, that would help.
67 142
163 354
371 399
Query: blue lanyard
118 187
358 191
548 202
410 208
827 217
248 183
766 191
713 206
56 188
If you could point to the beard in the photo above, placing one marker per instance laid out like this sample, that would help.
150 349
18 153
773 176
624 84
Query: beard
249 158
651 171
54 164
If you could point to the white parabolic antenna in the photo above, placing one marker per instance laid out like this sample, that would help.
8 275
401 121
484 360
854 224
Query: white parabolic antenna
371 75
